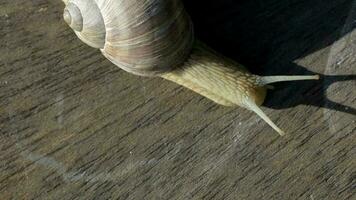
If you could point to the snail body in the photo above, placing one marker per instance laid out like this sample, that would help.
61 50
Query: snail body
155 38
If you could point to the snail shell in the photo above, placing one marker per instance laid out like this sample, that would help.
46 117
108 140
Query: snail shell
143 37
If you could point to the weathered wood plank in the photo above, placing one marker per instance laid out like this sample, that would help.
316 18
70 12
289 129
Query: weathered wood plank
74 126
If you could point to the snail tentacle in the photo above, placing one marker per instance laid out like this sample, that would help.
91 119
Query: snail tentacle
252 106
264 80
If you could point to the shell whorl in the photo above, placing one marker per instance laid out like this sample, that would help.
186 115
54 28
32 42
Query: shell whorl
85 18
73 17
144 37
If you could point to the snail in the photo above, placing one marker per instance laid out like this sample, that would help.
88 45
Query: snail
156 38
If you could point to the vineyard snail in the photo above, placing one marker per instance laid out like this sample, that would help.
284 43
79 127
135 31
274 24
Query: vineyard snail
156 38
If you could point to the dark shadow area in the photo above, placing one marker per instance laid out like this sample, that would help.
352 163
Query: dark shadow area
290 94
268 36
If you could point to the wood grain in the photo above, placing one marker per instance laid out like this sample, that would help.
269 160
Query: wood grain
74 126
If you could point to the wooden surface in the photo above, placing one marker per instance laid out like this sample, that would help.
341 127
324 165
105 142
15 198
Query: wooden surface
74 126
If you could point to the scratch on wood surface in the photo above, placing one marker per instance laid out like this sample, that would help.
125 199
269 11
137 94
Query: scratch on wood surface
73 176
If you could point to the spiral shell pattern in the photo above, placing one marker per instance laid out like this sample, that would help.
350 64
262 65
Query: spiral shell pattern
143 37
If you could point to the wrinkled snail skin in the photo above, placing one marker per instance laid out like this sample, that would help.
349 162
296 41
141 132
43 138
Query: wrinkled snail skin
155 38
217 78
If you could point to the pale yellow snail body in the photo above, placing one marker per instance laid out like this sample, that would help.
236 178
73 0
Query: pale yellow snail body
155 38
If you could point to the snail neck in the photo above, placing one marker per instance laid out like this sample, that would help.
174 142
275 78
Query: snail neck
217 78
222 81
